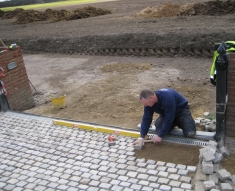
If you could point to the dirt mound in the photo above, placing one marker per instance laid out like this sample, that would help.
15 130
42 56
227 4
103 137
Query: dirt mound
208 8
1 13
166 10
190 9
29 16
11 14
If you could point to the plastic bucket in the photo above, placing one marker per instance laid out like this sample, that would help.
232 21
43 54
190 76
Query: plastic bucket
58 102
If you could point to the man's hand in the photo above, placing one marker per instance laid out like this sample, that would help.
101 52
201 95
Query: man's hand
157 139
139 141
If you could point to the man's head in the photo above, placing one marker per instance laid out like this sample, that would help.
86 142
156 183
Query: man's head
148 97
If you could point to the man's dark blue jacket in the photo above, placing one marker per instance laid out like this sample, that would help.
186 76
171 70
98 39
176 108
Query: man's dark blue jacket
170 103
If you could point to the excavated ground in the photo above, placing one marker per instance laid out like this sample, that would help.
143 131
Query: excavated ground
125 32
157 51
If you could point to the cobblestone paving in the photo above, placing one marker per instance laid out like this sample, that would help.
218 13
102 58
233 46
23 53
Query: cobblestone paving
37 155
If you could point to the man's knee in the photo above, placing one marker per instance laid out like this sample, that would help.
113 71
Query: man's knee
190 129
187 124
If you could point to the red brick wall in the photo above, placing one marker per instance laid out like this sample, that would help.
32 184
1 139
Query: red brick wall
16 80
230 128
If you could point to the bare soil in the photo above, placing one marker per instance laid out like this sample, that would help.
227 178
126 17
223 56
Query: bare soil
229 163
188 9
29 16
164 10
188 154
104 89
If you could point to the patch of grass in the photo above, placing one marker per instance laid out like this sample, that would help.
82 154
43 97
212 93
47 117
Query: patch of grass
47 5
211 117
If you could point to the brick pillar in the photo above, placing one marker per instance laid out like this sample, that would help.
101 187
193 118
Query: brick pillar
16 80
230 129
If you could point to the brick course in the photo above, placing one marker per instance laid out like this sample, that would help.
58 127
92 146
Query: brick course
230 125
16 80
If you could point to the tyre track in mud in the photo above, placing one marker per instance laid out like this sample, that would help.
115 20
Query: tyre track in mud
122 45
131 51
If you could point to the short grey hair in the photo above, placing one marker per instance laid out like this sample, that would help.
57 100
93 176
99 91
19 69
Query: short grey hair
145 94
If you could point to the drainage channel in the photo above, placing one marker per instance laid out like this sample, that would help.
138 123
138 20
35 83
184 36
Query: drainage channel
185 141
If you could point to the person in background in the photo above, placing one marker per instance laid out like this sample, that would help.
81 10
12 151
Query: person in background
3 93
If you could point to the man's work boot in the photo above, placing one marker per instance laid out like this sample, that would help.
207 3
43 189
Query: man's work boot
191 134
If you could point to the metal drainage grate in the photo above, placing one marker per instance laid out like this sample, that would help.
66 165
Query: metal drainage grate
185 141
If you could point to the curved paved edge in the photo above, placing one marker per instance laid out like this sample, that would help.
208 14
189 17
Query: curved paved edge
37 155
